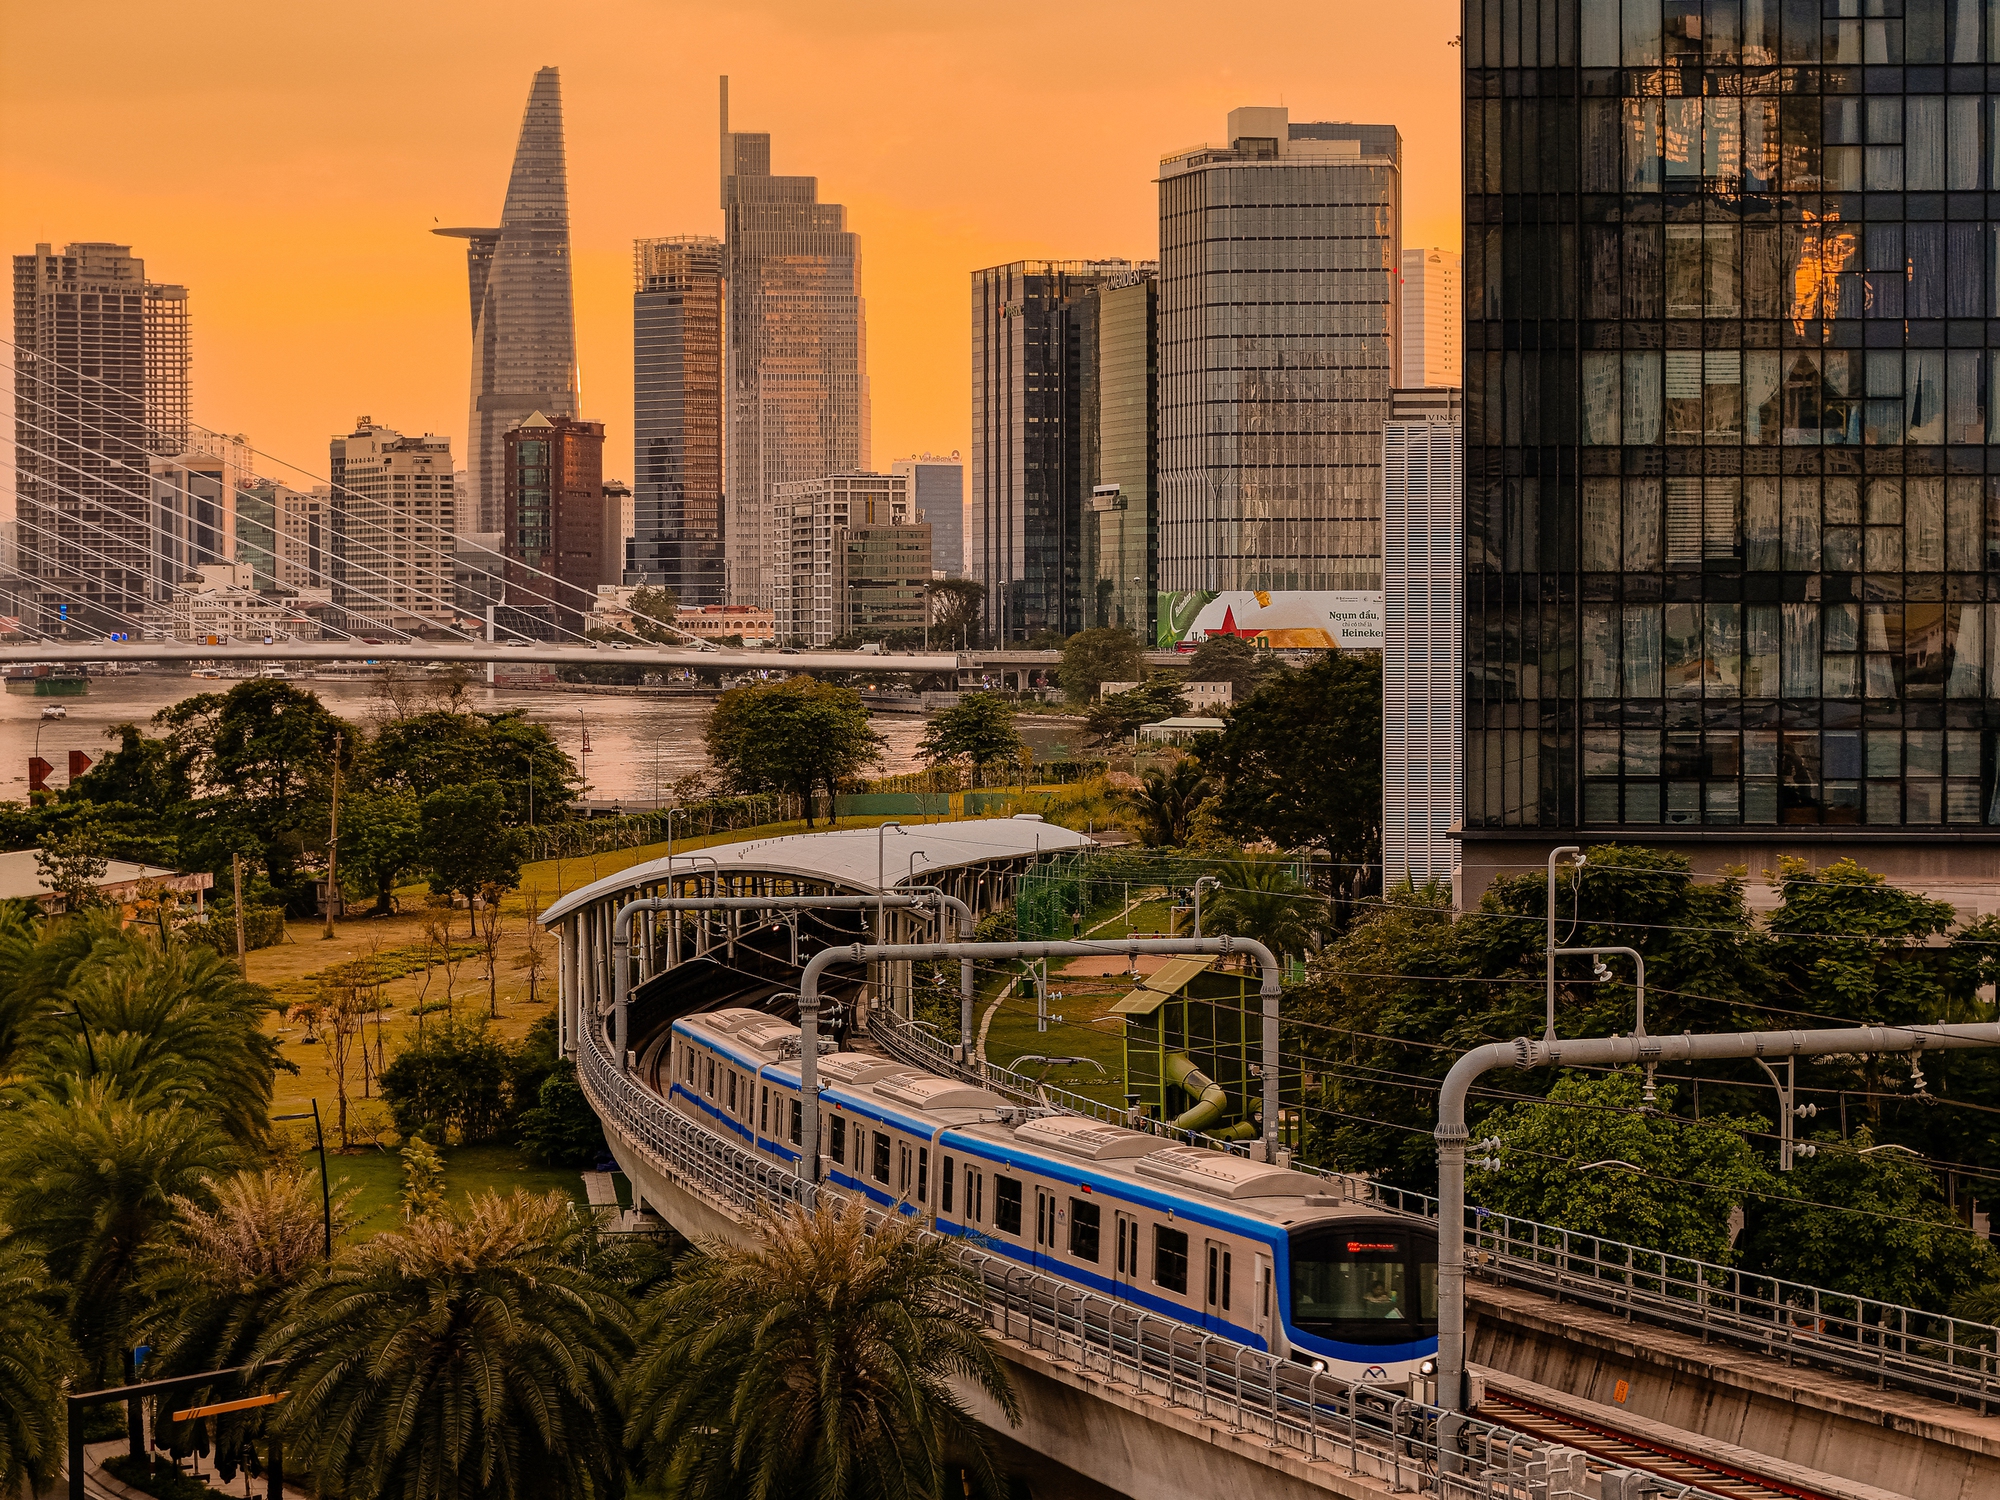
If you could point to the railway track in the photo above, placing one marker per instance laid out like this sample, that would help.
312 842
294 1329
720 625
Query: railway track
1608 1447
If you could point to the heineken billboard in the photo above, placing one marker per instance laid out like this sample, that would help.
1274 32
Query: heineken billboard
1292 621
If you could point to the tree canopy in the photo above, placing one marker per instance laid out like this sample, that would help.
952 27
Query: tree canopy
1091 658
1231 659
797 736
1115 716
978 729
957 605
466 841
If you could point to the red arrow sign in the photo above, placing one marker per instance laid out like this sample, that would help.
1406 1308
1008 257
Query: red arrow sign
38 774
78 764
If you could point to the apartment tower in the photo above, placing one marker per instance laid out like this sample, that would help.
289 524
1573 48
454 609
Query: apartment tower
1280 252
523 322
393 503
797 362
1432 312
677 364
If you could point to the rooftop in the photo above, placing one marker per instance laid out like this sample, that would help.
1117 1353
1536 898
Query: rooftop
21 880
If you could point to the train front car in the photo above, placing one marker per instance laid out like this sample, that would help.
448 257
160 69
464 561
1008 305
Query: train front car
1360 1295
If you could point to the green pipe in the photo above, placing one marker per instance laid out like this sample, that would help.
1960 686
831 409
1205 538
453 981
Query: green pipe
1214 1099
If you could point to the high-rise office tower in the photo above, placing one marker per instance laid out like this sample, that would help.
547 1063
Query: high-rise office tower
554 519
523 323
1423 633
797 376
677 363
393 506
101 361
937 491
1732 498
1033 435
1432 313
848 557
1279 255
1124 390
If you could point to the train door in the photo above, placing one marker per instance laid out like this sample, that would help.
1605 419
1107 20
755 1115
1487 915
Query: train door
1127 1252
1045 1226
1218 1291
1262 1312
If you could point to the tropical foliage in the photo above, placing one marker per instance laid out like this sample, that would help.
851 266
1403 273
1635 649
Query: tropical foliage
1163 806
36 1361
978 729
799 736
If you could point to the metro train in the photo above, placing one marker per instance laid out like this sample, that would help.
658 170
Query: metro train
1257 1253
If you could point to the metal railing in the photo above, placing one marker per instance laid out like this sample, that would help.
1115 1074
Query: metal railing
1952 1359
1309 1414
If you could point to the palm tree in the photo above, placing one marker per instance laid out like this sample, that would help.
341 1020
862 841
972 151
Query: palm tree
36 1360
1262 898
470 1354
90 1175
819 1362
1165 802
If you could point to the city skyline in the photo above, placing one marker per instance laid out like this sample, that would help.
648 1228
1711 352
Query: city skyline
359 174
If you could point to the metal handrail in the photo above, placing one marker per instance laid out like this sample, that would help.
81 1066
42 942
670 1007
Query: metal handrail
1375 1430
1955 1359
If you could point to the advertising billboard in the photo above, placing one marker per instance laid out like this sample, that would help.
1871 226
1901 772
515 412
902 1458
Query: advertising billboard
1280 622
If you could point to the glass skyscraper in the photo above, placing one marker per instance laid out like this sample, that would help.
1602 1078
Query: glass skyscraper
1280 254
677 418
1731 340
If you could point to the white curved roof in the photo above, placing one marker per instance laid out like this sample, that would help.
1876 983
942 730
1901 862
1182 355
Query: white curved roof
846 857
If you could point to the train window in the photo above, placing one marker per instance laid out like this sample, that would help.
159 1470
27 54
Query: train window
764 1114
881 1162
798 1119
977 1192
710 1090
1170 1255
1214 1259
1267 1291
1083 1221
836 1140
1042 1225
1365 1283
732 1091
1121 1247
1007 1204
689 1053
944 1187
923 1173
1225 1281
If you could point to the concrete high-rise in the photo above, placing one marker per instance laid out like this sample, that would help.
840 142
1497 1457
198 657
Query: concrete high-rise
848 557
677 365
1423 633
553 520
937 491
393 505
1034 330
1733 444
1124 390
1432 313
1279 256
101 388
797 375
523 321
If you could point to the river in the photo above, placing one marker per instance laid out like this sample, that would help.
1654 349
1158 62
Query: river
639 747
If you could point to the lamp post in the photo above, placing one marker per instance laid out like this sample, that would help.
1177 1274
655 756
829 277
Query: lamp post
881 879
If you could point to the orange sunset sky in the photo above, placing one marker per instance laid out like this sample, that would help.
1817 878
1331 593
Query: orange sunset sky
286 163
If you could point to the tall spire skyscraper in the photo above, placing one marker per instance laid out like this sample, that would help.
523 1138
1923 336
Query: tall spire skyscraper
523 322
797 380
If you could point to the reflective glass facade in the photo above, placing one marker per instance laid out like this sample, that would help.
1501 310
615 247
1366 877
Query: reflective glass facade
677 418
1733 550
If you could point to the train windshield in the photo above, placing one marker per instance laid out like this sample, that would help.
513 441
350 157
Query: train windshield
1360 1283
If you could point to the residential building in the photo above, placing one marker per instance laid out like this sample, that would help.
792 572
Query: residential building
1731 436
101 387
554 519
1423 633
1034 332
1432 313
937 490
393 512
192 503
1124 497
848 557
1278 316
221 603
677 369
304 540
716 622
797 360
523 321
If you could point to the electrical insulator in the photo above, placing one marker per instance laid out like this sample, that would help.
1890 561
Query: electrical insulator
1806 1111
1806 1148
1601 969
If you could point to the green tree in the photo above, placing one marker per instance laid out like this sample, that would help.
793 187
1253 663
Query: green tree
653 609
562 1130
1091 658
979 728
1231 659
36 1360
90 1179
451 1083
432 752
1867 1219
381 840
1593 1159
1114 717
466 841
1263 898
1164 803
957 606
797 736
470 1355
1300 764
820 1362
72 865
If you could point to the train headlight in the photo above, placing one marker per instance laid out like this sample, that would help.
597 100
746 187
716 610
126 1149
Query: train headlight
1428 1368
1319 1366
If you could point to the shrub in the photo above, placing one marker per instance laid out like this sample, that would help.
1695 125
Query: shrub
451 1083
561 1130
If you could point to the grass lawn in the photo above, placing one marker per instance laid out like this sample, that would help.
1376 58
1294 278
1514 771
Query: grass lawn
1085 1031
378 1173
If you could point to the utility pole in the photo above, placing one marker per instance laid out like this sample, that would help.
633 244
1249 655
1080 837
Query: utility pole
236 886
332 844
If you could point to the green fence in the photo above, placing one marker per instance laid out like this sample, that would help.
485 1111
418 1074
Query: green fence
891 804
